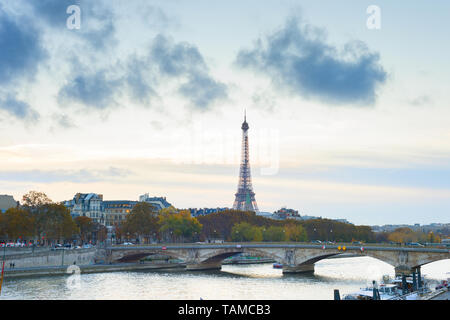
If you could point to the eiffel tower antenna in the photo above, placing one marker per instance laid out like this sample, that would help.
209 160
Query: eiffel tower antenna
245 197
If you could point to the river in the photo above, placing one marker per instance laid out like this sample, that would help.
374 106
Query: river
233 282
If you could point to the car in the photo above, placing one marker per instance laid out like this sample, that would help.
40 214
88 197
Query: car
87 246
127 244
316 241
415 244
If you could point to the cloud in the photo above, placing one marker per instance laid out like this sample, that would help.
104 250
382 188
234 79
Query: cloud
202 90
52 176
21 52
97 20
141 77
298 58
421 101
140 80
21 49
17 108
182 59
96 90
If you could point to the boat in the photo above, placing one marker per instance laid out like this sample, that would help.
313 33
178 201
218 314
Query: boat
246 259
391 290
277 265
383 292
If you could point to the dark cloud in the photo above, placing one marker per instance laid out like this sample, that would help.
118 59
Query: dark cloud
298 58
53 11
141 76
176 59
96 90
21 50
183 60
140 80
202 90
18 108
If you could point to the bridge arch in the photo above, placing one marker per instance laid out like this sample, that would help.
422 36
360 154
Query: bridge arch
219 255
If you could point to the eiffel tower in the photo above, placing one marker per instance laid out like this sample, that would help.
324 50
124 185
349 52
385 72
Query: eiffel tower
245 197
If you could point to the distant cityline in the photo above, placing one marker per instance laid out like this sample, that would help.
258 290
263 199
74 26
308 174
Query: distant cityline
114 212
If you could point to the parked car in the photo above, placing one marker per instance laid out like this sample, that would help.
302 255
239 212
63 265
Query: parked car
316 241
87 246
415 244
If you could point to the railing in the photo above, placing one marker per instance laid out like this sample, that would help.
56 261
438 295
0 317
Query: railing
299 245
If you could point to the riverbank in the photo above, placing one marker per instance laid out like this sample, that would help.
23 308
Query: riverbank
92 268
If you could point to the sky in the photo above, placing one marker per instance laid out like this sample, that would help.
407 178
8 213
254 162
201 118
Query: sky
348 107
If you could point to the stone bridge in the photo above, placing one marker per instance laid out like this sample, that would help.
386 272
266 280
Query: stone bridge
294 257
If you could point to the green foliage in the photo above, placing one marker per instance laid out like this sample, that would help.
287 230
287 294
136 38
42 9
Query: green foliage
274 234
178 225
246 232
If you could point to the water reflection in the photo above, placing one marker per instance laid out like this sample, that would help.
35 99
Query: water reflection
253 282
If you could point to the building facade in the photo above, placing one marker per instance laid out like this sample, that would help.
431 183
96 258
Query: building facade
111 212
285 213
87 205
158 202
196 212
116 211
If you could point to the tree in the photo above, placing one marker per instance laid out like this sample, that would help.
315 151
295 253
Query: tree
54 222
35 199
142 222
179 225
295 232
86 227
246 232
404 235
17 223
275 234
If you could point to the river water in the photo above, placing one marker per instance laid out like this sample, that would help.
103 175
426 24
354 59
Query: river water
233 282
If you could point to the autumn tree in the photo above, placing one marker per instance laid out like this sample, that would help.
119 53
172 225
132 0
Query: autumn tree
296 233
17 224
86 227
142 222
54 223
35 199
